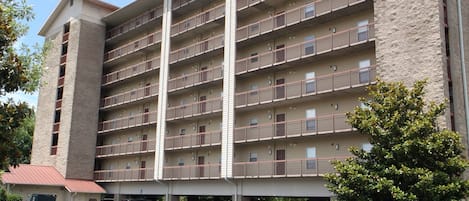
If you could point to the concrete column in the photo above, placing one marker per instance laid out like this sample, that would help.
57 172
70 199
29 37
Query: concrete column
163 97
170 197
229 82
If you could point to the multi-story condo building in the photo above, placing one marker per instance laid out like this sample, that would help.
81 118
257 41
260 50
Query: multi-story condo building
231 98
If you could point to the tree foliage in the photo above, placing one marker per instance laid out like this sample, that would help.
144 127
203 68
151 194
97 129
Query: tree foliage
20 70
411 158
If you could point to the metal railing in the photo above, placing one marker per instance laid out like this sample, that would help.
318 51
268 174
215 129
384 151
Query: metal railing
308 167
196 49
127 122
321 84
293 128
133 46
58 104
56 127
61 81
131 71
290 17
65 37
243 4
194 109
198 20
323 44
135 23
130 96
63 59
189 172
183 141
197 78
137 174
126 148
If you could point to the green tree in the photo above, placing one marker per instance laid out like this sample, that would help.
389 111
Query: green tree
20 70
411 158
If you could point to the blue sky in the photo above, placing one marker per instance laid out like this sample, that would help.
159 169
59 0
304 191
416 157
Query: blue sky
42 10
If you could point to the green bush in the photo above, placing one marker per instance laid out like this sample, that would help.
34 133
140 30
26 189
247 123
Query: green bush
14 197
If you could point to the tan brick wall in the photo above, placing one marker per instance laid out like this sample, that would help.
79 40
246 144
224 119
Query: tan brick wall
410 45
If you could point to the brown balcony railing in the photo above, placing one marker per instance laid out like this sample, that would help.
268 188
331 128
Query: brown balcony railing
285 168
196 78
306 49
126 148
242 4
56 127
321 84
61 81
293 128
131 71
58 104
127 122
65 37
138 174
290 17
195 109
135 22
198 20
193 140
53 150
199 48
189 172
63 59
133 46
130 96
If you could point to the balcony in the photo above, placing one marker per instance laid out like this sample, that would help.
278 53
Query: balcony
198 20
56 127
135 23
58 104
191 172
138 174
309 167
300 51
195 79
193 140
195 109
65 37
243 4
291 17
61 81
327 124
197 49
132 47
53 150
143 146
355 78
143 119
131 71
130 96
63 59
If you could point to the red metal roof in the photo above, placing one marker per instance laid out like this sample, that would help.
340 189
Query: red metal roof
48 176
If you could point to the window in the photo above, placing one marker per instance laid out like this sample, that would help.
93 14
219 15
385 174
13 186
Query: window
130 139
253 28
311 156
62 71
253 122
309 44
180 162
367 147
310 82
309 10
362 31
60 93
128 166
57 116
182 131
71 3
252 157
55 139
364 73
311 120
253 90
64 49
254 57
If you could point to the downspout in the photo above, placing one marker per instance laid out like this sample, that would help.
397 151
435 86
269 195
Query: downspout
463 70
